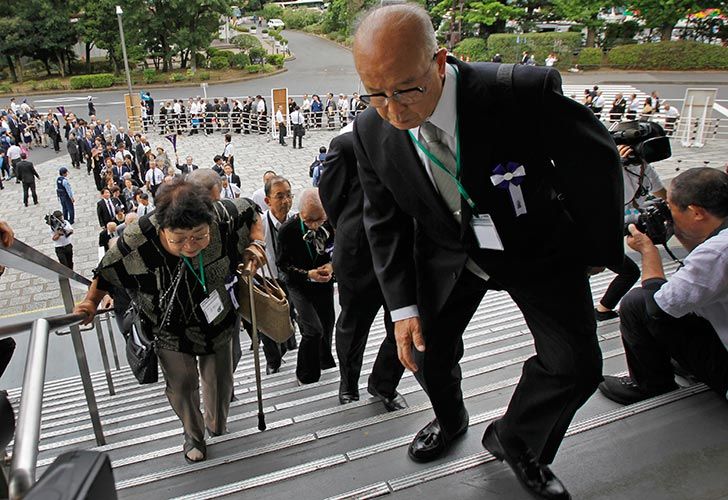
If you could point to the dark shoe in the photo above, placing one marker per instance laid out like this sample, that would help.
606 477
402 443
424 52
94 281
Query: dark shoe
328 364
189 445
269 370
624 390
347 395
604 316
292 344
392 403
535 477
678 370
431 443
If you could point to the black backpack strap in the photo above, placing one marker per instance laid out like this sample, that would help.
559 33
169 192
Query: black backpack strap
504 79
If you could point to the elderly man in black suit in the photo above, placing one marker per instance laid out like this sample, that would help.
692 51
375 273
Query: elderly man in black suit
455 205
360 296
25 171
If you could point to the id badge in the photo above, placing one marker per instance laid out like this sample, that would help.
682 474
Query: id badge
486 232
212 307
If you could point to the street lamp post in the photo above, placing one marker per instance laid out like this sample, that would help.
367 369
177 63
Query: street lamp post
119 12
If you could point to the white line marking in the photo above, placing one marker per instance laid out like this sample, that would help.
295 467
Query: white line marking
720 109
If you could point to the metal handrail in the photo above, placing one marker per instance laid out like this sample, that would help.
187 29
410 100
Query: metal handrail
27 435
26 258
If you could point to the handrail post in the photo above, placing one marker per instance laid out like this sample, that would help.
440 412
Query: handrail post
110 328
104 355
88 387
27 434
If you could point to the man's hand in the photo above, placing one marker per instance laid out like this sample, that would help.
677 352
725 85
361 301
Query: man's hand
320 275
408 332
7 236
624 150
88 308
639 241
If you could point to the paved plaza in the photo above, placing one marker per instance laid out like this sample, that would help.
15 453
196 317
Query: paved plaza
254 154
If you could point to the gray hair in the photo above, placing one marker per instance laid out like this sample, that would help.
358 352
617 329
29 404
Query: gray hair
309 197
205 178
395 17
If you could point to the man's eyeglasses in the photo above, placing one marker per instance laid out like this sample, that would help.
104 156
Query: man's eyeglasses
283 196
404 97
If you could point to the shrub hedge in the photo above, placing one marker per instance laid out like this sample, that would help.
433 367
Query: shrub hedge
219 62
150 76
239 60
246 42
474 49
253 68
300 18
99 81
203 75
511 47
275 60
590 57
5 88
680 55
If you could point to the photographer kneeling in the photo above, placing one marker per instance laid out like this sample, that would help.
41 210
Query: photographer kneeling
686 317
174 263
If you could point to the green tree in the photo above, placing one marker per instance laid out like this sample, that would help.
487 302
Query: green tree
14 45
98 27
468 17
198 25
664 14
584 12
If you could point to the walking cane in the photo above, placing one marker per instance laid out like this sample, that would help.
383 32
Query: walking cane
249 272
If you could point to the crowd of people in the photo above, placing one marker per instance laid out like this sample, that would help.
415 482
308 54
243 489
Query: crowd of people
247 115
439 233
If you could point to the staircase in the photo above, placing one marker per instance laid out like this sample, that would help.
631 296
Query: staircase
314 448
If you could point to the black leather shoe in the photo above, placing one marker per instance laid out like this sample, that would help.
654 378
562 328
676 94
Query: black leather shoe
535 477
346 394
624 390
269 370
391 403
431 443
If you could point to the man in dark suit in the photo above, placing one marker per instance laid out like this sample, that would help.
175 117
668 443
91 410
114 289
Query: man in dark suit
105 209
231 177
123 138
303 257
360 296
455 205
25 171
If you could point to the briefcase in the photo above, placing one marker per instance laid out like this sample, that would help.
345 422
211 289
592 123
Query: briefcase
272 309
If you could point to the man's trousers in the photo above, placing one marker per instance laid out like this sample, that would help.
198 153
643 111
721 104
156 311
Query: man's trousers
314 304
555 382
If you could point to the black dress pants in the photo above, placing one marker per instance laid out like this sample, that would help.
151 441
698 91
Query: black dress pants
554 383
26 187
314 304
650 343
627 275
359 306
65 255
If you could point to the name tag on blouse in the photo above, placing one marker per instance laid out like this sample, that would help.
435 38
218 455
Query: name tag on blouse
212 307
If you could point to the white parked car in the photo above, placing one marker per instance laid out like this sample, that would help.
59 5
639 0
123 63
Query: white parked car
276 23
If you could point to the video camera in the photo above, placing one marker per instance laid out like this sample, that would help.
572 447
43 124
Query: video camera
647 139
654 219
57 224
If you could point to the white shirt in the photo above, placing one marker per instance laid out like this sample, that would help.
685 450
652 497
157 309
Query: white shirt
260 107
271 237
62 241
154 176
672 112
445 119
598 102
229 150
259 198
279 118
701 286
177 108
230 192
550 61
145 209
306 105
14 152
635 105
297 118
651 182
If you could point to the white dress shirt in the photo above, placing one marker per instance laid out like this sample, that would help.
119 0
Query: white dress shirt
270 237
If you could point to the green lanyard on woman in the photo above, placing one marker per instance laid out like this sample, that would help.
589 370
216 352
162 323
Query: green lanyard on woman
308 245
201 276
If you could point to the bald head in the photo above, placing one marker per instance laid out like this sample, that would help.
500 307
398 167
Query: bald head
396 54
405 26
208 179
310 208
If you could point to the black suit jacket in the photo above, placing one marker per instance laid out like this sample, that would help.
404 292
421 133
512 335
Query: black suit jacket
25 171
572 190
126 140
343 201
294 259
102 212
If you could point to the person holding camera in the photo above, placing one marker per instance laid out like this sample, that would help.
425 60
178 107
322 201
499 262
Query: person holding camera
640 181
685 317
61 231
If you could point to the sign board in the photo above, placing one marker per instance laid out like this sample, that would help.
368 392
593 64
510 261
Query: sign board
279 97
697 110
133 105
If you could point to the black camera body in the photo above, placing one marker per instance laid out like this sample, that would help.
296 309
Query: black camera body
57 225
647 140
654 219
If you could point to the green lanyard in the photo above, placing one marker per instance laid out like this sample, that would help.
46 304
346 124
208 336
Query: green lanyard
308 245
458 165
201 277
